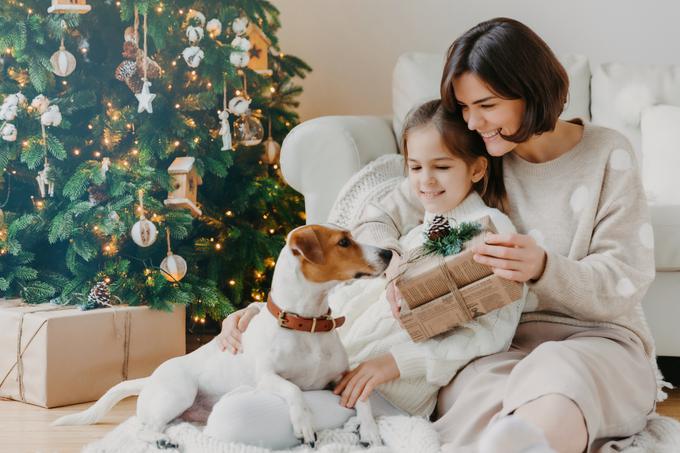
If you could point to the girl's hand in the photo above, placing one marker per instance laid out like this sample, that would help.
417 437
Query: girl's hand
232 328
360 382
514 257
393 294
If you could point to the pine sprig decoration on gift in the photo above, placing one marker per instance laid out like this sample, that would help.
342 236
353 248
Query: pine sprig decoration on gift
444 240
99 297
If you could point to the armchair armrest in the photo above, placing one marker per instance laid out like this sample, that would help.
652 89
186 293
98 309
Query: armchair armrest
319 156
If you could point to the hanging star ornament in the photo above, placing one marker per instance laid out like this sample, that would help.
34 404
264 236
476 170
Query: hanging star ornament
145 98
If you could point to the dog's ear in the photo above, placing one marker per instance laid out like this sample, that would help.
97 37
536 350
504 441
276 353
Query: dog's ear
305 242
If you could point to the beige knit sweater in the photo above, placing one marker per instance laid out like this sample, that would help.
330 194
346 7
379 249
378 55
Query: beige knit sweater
588 210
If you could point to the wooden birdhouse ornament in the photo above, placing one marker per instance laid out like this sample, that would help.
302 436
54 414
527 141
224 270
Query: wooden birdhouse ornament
259 50
69 7
185 182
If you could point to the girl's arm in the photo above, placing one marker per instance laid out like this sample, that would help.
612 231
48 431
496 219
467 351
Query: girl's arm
383 223
362 380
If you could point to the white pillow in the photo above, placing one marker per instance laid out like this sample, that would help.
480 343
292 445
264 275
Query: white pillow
620 92
417 75
661 153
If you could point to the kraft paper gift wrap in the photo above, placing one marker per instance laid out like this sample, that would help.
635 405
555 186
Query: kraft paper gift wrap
53 355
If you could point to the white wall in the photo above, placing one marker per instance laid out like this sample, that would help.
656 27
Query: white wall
352 45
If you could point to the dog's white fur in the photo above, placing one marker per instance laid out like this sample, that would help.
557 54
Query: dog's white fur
281 360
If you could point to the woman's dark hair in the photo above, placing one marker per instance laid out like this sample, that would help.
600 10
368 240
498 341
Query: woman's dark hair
463 143
516 64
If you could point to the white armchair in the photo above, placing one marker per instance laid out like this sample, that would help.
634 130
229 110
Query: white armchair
320 156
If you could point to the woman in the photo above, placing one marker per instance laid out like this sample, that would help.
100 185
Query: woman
581 370
580 374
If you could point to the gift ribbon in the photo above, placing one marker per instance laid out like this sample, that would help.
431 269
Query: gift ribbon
19 361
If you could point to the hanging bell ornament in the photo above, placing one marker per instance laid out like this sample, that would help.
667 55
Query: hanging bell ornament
272 151
143 232
63 62
174 267
248 130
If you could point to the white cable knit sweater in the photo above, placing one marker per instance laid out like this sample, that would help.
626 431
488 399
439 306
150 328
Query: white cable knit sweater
371 330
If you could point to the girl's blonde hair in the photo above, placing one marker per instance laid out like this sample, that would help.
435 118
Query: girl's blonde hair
463 143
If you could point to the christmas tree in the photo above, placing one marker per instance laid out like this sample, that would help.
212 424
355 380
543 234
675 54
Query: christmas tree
134 165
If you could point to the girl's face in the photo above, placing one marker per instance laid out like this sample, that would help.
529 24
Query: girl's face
439 179
488 114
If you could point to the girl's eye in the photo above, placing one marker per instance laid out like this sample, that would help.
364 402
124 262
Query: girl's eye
414 168
488 106
344 242
463 107
442 168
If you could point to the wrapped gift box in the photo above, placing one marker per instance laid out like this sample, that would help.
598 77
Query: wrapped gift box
54 355
441 293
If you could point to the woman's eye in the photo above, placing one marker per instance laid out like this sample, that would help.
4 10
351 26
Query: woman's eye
344 242
488 106
463 107
414 168
442 168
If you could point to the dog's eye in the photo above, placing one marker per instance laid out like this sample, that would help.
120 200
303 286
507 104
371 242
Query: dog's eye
344 242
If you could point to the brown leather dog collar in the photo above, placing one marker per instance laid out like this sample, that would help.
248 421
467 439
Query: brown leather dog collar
294 321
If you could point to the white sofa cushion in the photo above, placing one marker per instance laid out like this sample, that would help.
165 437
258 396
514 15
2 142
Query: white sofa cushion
620 92
416 79
660 168
661 153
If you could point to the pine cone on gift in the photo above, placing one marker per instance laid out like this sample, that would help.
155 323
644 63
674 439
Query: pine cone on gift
438 228
99 296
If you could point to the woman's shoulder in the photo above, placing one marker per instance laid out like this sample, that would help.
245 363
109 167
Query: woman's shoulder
606 141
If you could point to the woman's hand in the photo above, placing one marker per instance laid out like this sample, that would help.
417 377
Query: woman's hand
393 294
360 382
232 328
514 257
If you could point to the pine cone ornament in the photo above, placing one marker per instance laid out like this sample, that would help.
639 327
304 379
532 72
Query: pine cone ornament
98 194
99 296
438 228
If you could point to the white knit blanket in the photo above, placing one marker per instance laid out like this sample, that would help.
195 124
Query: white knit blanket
401 434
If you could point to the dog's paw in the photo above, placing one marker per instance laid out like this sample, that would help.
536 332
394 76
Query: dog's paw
301 419
369 434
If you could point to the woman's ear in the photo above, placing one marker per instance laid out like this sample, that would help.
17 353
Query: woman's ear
478 169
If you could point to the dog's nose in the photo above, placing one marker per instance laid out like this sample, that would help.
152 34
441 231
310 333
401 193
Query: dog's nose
385 255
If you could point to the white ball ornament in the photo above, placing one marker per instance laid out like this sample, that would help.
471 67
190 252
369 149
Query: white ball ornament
8 111
240 25
214 27
52 117
63 62
144 232
239 105
239 59
9 132
40 103
174 267
193 56
194 34
241 43
199 16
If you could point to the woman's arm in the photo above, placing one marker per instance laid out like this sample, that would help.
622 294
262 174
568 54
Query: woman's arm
614 276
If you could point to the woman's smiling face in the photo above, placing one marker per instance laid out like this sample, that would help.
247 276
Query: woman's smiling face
487 113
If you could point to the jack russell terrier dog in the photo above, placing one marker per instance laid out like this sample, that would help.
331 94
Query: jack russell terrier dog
283 345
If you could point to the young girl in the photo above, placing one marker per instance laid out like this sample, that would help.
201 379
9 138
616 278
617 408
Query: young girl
450 175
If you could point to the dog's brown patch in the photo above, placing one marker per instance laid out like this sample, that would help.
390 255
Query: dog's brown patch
328 254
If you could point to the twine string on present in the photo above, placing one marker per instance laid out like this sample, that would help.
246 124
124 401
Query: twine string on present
19 364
